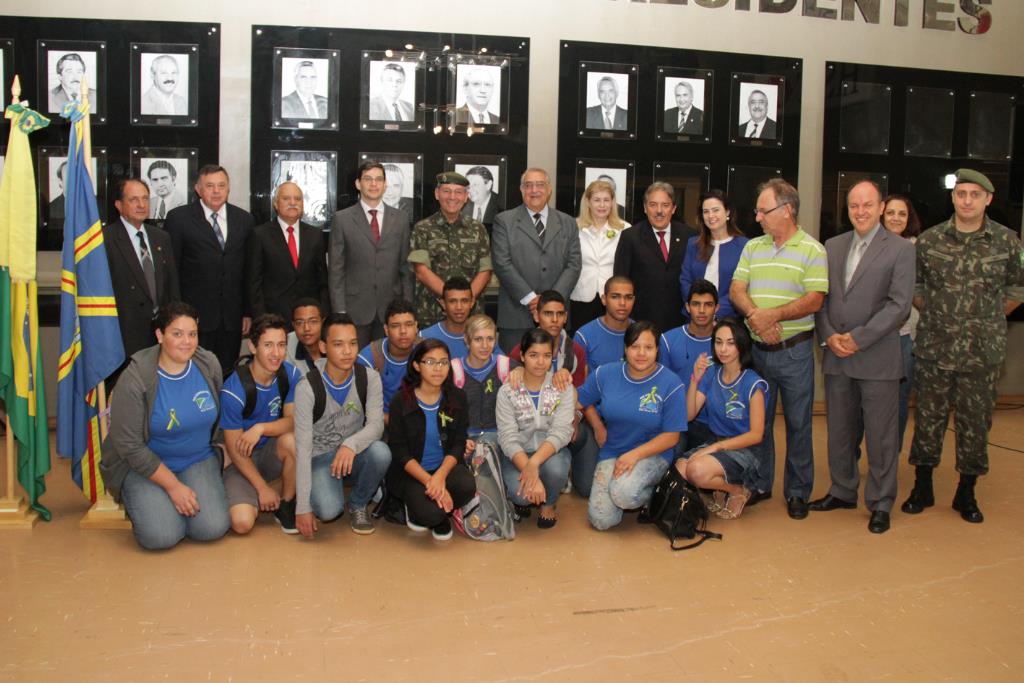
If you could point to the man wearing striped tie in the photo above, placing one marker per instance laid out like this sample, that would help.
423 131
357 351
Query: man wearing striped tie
388 105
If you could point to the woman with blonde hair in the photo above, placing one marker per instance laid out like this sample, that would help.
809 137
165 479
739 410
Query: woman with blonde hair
600 227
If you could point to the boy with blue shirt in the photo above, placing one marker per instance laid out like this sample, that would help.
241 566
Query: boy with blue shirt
260 445
457 303
601 338
389 355
342 442
304 339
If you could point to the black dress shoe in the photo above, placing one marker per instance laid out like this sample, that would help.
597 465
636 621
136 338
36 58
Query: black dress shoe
757 496
796 507
830 502
879 523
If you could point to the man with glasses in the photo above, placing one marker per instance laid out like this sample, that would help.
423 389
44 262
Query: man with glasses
304 339
478 85
369 255
779 284
533 248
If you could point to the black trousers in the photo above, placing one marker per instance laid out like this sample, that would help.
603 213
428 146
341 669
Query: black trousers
225 344
582 312
423 510
367 333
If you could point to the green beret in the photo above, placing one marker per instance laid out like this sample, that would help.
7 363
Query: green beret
969 175
452 178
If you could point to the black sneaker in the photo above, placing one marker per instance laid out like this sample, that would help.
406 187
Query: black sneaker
285 515
443 531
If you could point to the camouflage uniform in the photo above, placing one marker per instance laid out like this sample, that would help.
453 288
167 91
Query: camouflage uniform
964 279
448 249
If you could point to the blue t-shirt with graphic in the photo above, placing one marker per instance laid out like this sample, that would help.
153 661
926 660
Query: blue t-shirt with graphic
727 406
268 401
392 374
456 342
183 418
633 411
433 454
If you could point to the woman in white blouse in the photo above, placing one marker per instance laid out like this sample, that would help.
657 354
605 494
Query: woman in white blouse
600 228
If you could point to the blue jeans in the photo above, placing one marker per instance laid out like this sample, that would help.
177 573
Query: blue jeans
610 496
327 497
789 372
553 474
907 383
155 522
584 459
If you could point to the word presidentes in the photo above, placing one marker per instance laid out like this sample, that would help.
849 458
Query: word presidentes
935 14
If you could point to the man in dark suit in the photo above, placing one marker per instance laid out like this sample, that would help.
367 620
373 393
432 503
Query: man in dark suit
608 115
303 102
871 275
287 259
56 209
388 105
483 200
142 269
209 238
758 126
684 118
70 70
478 84
369 252
651 255
393 196
533 248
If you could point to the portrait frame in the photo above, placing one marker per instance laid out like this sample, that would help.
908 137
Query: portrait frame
316 173
928 125
865 114
844 181
7 66
184 98
622 173
702 85
989 113
591 74
48 161
411 199
741 188
287 110
93 53
460 67
183 160
374 110
774 88
496 164
689 180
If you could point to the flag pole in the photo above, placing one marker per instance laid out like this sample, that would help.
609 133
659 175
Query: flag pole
14 511
105 513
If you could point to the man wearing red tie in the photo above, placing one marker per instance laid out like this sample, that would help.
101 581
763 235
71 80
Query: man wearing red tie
286 260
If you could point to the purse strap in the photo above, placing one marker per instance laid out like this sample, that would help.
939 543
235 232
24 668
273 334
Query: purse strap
704 535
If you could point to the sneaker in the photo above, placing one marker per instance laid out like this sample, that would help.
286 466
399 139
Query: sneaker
285 516
359 520
413 526
443 531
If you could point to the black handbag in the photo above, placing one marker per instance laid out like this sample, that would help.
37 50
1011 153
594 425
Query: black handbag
677 509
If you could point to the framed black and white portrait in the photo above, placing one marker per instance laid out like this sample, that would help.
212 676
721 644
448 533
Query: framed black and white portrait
684 111
488 179
392 87
170 173
63 65
607 100
165 84
690 181
757 110
478 94
617 173
316 174
52 173
305 88
404 176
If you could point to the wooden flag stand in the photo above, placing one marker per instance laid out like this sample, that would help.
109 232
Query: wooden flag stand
105 513
14 511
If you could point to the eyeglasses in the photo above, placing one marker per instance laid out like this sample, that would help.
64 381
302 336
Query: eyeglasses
765 213
535 185
372 179
435 362
308 322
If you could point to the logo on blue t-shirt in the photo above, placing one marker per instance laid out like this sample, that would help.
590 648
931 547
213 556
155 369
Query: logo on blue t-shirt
274 407
204 401
734 407
650 402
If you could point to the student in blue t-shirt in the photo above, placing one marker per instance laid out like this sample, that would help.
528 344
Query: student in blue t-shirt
734 397
159 458
390 354
262 445
643 410
601 338
457 303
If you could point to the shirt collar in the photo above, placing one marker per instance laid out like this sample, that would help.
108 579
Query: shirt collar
133 231
367 208
284 225
866 239
222 214
543 213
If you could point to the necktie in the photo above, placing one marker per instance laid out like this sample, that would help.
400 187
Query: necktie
293 249
311 108
682 122
855 257
479 214
661 243
162 213
398 114
147 267
608 121
539 224
753 133
374 225
217 230
480 117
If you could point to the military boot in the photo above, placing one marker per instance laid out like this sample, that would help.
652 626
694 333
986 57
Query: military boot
922 496
964 501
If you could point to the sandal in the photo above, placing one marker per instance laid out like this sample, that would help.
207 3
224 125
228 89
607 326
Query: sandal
546 522
714 502
734 505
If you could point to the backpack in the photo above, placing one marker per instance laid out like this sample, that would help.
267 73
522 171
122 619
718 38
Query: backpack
316 383
677 509
488 517
244 373
459 372
570 355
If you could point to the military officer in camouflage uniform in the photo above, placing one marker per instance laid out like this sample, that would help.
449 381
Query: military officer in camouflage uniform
970 275
448 244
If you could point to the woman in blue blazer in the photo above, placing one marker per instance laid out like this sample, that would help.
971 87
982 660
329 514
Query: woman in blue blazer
714 253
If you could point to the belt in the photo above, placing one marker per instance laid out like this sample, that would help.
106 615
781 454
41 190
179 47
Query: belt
786 343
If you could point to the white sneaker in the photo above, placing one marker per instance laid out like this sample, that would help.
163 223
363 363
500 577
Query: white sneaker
413 526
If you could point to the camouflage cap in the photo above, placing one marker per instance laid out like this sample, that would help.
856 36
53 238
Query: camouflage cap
969 175
452 178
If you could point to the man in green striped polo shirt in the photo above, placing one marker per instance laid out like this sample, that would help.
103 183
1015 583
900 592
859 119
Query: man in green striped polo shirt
779 284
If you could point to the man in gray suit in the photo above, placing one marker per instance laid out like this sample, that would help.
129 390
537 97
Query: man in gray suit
388 105
303 102
369 251
871 283
608 115
533 248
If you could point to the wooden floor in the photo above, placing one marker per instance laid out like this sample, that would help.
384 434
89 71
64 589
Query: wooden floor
779 600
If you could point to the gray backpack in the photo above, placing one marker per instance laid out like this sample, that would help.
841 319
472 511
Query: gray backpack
489 516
